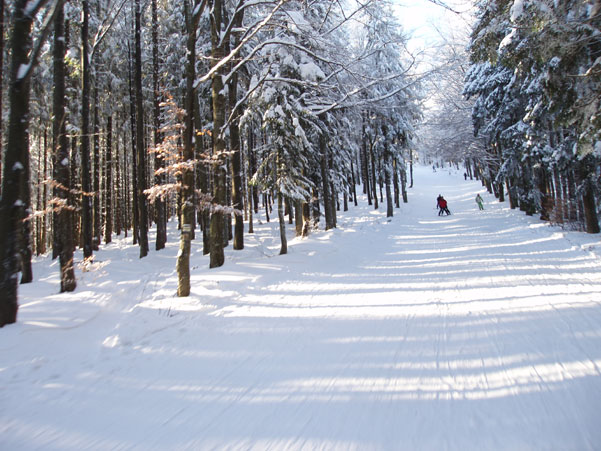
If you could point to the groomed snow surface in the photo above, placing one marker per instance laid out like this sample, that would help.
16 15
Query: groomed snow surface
475 331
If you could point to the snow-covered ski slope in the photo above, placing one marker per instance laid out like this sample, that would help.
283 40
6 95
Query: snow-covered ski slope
476 331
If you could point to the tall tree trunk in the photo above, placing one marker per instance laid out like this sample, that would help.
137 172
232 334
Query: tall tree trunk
236 159
282 219
159 162
1 81
118 191
141 150
411 168
108 192
132 199
325 182
16 161
395 182
373 182
187 191
298 207
204 181
62 170
44 190
364 162
403 172
96 159
86 200
387 181
306 219
353 183
217 257
591 221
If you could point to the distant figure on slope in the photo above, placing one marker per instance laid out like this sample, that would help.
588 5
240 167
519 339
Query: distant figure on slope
441 203
479 201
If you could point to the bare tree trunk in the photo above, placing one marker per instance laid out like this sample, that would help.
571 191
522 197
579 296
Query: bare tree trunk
282 219
141 150
237 197
395 182
159 162
325 182
1 81
306 219
298 210
119 219
591 221
353 183
411 168
217 257
108 193
62 170
188 210
16 160
364 163
96 158
387 177
86 200
373 173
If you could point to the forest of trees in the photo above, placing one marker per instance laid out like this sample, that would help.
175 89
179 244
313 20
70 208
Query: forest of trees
118 115
121 114
526 121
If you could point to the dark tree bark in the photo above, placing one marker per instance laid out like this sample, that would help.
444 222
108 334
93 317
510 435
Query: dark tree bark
108 192
591 221
140 149
325 182
353 183
118 191
373 182
62 170
217 257
282 220
86 201
237 196
1 81
306 207
364 162
16 158
410 168
203 176
160 210
395 182
187 191
132 199
96 160
403 172
387 179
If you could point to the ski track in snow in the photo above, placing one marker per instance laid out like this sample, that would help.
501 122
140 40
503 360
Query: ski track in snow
476 331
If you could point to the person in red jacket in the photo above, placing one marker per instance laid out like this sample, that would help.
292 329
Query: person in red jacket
441 203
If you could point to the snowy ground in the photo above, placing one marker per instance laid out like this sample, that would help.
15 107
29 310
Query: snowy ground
480 330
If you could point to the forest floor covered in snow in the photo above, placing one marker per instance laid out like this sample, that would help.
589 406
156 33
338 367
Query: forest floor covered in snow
475 331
